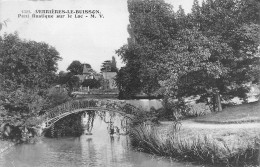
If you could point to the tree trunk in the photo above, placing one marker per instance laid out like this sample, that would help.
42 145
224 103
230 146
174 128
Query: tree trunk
219 102
216 101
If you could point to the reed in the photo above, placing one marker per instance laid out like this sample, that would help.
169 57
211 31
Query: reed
202 149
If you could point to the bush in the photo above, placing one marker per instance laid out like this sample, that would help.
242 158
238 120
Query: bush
197 109
179 109
148 117
92 83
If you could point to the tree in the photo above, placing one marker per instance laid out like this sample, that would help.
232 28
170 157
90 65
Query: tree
27 68
181 18
188 66
69 80
151 28
113 65
27 63
106 66
231 48
109 66
196 13
75 68
56 95
127 82
226 20
210 52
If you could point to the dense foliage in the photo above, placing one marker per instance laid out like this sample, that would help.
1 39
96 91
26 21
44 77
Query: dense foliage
75 67
91 83
68 80
109 65
210 52
27 69
71 79
56 96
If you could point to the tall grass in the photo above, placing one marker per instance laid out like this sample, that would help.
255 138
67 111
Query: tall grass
204 149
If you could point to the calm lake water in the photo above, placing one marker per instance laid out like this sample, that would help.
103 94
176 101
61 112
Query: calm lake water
99 149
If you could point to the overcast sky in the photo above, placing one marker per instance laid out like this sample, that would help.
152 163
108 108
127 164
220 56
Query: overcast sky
87 40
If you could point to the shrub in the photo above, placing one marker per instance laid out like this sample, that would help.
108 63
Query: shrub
197 109
179 109
92 83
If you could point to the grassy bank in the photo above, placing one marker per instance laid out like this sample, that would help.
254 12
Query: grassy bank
236 114
189 145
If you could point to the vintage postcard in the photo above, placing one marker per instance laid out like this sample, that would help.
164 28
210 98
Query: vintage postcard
131 83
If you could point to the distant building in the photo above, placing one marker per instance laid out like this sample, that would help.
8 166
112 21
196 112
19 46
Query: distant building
88 73
109 78
109 72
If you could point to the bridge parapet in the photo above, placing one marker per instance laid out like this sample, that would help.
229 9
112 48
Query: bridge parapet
58 112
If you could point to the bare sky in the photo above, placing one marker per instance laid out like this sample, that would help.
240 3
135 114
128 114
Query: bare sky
87 40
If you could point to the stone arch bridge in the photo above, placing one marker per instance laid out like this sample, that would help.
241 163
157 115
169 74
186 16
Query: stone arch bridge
55 114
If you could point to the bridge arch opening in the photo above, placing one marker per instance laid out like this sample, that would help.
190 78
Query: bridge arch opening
114 107
82 122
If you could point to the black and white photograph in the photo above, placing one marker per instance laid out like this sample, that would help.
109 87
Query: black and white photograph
129 83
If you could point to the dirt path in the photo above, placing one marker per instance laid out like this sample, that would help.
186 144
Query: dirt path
236 135
191 124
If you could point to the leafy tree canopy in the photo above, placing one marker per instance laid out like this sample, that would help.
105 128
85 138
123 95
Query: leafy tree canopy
27 68
109 66
211 49
68 80
75 68
28 63
152 26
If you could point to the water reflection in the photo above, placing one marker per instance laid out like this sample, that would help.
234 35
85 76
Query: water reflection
99 149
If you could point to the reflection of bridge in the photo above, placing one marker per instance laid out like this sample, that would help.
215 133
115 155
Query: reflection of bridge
55 114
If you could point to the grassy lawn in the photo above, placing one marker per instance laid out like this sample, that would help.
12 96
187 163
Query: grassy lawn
215 144
236 114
